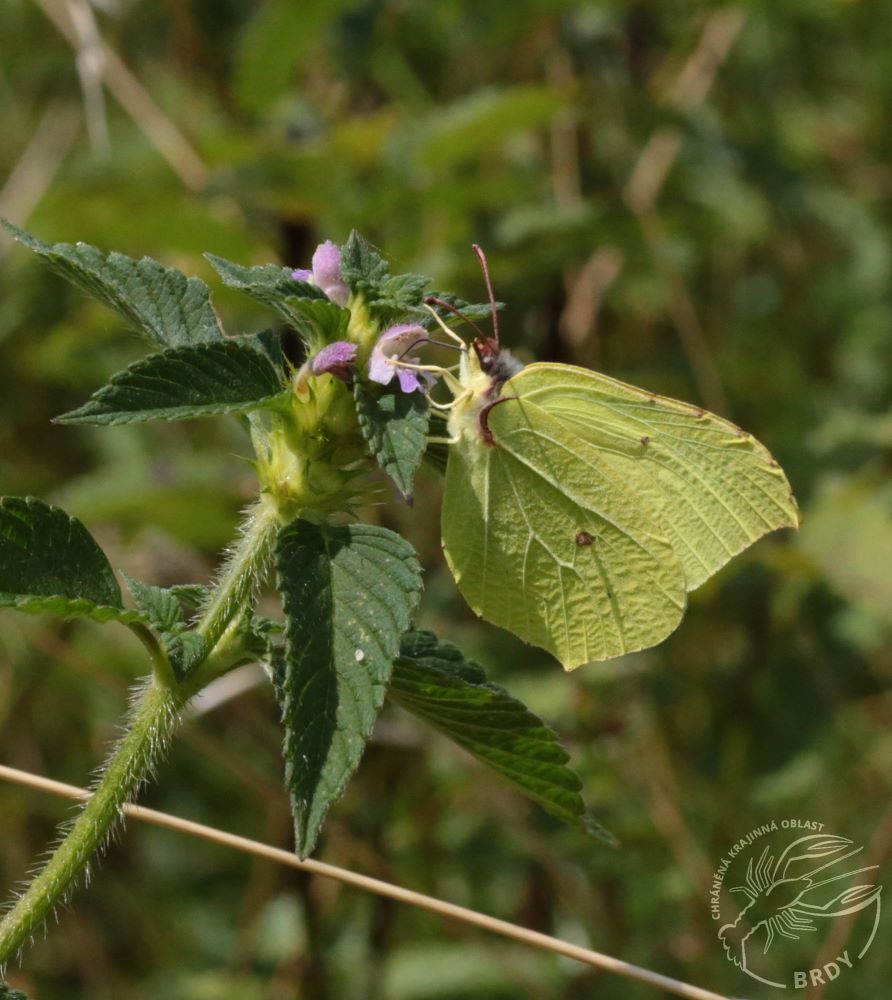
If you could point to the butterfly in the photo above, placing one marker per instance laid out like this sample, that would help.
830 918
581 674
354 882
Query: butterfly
580 511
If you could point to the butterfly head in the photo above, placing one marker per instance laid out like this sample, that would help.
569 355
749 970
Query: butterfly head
483 368
495 361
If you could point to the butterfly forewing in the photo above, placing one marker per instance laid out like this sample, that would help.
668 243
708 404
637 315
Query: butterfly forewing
546 540
713 488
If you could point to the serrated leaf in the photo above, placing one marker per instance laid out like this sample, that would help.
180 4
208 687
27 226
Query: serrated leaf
184 382
432 680
348 593
184 649
362 267
162 608
399 295
408 288
69 607
161 302
266 626
49 562
160 604
395 426
268 283
190 595
319 322
470 310
302 305
270 343
261 637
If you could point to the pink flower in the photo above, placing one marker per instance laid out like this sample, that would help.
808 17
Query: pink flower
335 359
394 345
326 273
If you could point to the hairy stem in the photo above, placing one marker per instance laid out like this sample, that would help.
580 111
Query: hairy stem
151 725
150 728
241 573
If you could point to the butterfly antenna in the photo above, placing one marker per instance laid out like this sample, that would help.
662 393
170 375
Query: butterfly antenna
433 300
438 319
481 256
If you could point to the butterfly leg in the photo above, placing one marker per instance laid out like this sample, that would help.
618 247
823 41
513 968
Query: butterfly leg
444 373
448 406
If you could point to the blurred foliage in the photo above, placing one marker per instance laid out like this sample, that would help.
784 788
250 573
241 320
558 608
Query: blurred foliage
757 278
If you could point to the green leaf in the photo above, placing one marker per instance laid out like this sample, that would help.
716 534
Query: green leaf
160 604
163 304
268 283
348 593
405 288
432 680
262 638
300 304
399 295
185 650
395 426
389 297
49 562
183 382
190 595
269 342
470 310
362 267
319 322
163 610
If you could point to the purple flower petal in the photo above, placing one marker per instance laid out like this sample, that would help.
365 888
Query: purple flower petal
402 338
396 344
335 359
302 274
327 272
409 380
380 369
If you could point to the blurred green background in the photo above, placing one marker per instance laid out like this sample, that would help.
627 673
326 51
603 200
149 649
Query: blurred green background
692 198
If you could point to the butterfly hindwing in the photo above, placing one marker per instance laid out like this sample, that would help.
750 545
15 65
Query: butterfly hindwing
546 540
713 488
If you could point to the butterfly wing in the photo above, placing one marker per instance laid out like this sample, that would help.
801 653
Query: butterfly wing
544 539
713 487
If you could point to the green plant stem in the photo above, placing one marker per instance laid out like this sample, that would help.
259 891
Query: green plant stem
152 723
241 574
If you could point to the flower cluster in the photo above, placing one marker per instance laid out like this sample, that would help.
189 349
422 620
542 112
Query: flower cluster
393 348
